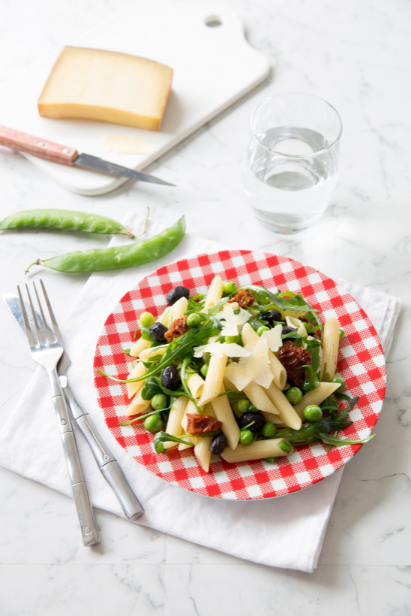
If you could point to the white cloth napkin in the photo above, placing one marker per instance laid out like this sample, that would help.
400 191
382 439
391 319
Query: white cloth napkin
283 532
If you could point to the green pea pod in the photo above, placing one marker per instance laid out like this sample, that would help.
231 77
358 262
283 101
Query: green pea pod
132 255
66 220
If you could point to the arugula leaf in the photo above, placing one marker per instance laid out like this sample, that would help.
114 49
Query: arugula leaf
296 303
140 417
342 333
352 402
127 351
340 442
179 348
311 380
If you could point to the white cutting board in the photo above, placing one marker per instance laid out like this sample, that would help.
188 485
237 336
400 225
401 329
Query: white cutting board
213 68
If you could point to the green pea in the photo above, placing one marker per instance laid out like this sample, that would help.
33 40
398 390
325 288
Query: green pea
246 437
121 257
294 395
146 319
284 446
193 320
153 423
68 220
160 401
269 430
312 412
340 380
243 405
229 288
204 370
271 460
160 448
262 329
233 339
253 409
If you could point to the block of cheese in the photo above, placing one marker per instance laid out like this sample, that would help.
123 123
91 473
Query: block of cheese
108 86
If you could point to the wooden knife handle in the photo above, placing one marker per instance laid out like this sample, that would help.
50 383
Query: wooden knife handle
36 146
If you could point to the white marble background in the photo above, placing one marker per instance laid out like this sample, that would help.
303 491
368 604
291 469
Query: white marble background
355 55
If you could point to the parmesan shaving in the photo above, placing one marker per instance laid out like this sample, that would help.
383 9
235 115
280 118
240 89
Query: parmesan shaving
273 338
297 324
233 321
219 349
255 368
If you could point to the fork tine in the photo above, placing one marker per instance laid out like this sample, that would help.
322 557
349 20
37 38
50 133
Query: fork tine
47 329
54 325
36 325
29 333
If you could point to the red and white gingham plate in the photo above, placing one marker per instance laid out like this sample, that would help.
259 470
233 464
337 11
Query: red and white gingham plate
360 362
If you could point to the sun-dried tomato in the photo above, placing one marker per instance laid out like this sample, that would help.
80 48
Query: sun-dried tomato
293 358
177 329
202 424
316 334
244 298
137 334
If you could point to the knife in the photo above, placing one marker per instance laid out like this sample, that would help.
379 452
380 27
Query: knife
65 155
107 463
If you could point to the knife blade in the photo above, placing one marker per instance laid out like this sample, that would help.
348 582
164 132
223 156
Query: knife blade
64 155
107 463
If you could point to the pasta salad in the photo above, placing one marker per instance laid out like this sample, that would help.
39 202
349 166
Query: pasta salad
242 373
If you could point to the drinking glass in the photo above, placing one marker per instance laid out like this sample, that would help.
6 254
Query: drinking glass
292 162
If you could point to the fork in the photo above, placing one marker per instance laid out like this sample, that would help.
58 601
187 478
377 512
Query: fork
47 351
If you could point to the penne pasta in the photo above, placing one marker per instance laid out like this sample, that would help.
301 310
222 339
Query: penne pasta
132 388
202 447
287 412
175 418
190 408
275 419
224 413
215 292
259 449
259 398
251 338
139 346
179 308
316 396
214 379
149 353
137 406
195 385
330 344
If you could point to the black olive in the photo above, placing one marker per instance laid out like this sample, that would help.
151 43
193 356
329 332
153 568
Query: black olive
247 418
176 294
288 330
271 316
157 331
170 378
218 444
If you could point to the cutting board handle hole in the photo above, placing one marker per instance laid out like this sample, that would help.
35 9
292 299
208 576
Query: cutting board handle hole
213 21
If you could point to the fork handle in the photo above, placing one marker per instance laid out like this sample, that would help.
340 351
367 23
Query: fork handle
78 485
107 463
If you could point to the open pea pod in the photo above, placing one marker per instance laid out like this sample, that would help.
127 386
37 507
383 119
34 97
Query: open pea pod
65 220
115 258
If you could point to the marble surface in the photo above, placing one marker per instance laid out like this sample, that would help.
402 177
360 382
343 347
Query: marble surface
353 54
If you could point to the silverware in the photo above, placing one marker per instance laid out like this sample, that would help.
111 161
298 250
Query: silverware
64 155
107 463
47 350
